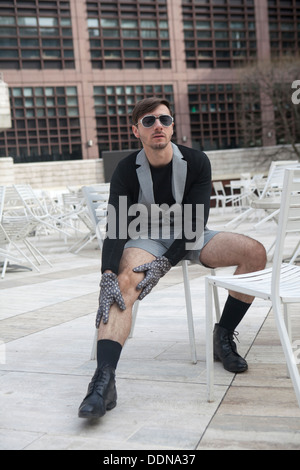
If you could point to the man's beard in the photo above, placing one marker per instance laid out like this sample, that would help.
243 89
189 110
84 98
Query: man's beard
159 146
156 145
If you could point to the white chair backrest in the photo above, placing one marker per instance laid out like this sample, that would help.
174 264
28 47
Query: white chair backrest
71 200
96 198
219 188
245 176
12 200
289 220
276 175
235 184
30 200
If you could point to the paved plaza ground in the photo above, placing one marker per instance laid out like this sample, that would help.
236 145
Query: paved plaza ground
47 327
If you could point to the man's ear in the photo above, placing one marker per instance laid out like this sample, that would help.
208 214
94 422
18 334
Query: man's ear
136 132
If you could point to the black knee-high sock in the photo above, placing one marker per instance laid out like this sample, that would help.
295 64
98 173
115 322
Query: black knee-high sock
108 353
233 313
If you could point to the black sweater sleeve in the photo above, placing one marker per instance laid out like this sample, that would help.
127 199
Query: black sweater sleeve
120 199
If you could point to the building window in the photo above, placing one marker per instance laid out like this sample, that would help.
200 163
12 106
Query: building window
219 34
45 125
284 26
113 108
36 35
129 34
224 116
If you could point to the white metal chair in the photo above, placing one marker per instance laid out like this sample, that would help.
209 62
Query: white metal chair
236 190
72 205
271 206
16 229
5 251
270 194
245 187
96 200
93 214
279 284
222 199
5 255
36 209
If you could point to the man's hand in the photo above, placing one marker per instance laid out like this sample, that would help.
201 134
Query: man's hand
109 294
154 271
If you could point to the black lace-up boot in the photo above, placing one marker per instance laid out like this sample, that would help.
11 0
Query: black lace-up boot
101 395
225 350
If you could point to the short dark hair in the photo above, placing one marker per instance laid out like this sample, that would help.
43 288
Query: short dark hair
147 106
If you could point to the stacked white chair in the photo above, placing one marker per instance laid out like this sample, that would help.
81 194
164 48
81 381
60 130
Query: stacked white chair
14 230
269 198
39 211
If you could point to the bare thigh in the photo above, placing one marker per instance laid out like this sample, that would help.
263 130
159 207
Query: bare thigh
232 249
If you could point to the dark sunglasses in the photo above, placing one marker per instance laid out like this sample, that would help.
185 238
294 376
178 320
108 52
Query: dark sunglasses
148 121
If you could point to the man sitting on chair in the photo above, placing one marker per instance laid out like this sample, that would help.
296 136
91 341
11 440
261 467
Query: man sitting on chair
176 176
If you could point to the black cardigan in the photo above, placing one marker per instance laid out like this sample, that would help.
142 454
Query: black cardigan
125 182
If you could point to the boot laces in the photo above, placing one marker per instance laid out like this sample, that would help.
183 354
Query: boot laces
100 378
235 335
231 337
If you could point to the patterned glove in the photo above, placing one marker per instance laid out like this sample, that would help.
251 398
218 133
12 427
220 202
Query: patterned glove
109 294
154 271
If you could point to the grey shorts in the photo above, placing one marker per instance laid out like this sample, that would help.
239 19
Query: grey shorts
158 247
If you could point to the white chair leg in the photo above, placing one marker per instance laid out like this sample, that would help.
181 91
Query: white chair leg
4 268
287 320
216 299
94 348
209 341
189 311
134 315
287 349
25 256
33 249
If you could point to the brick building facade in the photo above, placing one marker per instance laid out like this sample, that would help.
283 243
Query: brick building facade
76 68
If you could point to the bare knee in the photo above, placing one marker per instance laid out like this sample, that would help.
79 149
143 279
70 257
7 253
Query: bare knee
255 256
125 279
128 280
261 255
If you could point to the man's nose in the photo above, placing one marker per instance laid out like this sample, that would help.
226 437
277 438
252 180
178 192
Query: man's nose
157 123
